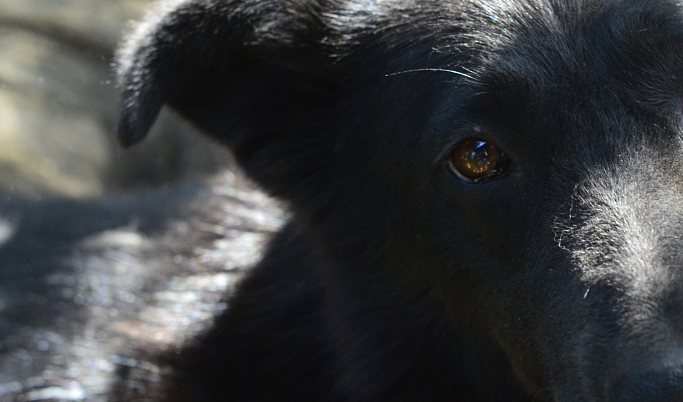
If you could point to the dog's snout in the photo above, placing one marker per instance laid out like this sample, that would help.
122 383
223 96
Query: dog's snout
652 384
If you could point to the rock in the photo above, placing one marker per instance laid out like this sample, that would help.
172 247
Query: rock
57 104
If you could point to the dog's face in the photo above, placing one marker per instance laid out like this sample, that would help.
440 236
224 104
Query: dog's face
519 161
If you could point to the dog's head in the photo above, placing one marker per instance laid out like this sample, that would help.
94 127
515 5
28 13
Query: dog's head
520 159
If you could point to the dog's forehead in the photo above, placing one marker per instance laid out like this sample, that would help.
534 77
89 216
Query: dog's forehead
594 44
583 63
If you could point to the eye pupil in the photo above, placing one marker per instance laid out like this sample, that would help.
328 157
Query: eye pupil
476 159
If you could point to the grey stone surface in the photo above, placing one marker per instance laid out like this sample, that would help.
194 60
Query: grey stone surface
93 22
57 104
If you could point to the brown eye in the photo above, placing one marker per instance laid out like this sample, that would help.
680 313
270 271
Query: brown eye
477 160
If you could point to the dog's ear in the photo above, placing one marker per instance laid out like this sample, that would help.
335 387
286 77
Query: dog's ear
248 73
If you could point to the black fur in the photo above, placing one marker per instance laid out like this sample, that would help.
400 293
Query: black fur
393 279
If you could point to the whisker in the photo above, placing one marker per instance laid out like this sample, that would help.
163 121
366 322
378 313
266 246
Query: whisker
442 70
469 70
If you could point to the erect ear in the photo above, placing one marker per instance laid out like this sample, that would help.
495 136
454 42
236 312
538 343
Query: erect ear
248 73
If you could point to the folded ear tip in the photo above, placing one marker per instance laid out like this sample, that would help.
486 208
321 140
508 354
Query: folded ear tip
149 62
139 108
127 137
133 128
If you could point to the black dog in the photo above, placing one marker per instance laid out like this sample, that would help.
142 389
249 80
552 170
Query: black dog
486 196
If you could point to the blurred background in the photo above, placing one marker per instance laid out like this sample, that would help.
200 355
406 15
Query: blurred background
58 105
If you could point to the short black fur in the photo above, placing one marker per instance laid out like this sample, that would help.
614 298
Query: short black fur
394 280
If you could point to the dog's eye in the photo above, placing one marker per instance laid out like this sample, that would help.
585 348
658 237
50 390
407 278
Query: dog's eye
477 160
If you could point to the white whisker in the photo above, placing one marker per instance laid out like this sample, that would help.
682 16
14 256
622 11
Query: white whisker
442 70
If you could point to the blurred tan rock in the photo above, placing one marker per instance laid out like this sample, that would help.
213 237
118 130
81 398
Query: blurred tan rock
98 22
57 104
